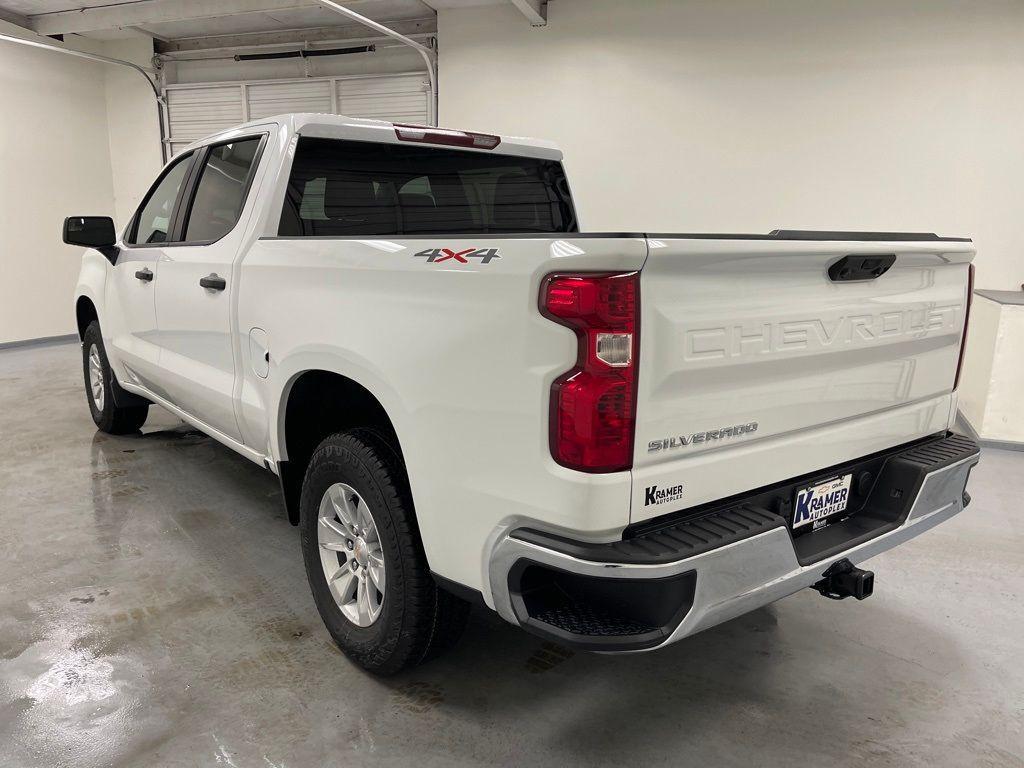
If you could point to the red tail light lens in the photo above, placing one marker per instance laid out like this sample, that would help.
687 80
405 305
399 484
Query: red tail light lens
967 317
593 405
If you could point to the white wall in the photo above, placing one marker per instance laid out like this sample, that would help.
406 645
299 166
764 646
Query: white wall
1004 411
85 140
746 116
133 125
54 162
78 138
990 390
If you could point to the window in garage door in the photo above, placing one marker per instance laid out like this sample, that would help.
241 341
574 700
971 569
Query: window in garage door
198 110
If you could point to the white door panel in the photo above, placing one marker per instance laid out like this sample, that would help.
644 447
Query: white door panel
131 314
196 355
196 291
131 291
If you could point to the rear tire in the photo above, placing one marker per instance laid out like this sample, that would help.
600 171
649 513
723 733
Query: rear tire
99 388
358 533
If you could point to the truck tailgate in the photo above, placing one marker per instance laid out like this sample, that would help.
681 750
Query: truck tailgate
757 366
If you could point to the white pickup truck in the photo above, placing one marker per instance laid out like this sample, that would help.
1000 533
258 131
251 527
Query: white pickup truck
612 440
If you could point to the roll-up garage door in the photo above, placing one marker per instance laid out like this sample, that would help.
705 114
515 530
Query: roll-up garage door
197 110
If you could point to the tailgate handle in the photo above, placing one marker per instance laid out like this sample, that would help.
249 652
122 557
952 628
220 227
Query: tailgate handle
855 267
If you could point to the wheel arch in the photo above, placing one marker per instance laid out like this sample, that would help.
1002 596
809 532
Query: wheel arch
85 313
90 289
316 402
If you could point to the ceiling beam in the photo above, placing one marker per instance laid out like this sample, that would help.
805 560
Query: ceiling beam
149 33
14 18
292 36
535 11
135 14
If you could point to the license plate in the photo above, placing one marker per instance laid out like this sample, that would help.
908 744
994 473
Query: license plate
817 502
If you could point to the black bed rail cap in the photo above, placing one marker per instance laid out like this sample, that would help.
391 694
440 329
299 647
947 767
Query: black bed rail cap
813 234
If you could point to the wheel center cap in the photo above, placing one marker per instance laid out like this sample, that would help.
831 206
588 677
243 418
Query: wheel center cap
360 552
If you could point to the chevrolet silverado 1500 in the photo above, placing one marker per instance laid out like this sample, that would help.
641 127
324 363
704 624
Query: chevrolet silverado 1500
612 440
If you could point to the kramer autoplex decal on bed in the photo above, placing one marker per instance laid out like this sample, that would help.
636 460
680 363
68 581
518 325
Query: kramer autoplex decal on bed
438 255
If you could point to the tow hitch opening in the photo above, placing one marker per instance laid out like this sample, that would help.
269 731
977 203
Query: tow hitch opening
843 579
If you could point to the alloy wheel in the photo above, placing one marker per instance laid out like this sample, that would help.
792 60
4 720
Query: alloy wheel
96 377
351 554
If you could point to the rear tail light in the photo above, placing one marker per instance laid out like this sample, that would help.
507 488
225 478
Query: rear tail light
425 135
967 317
593 405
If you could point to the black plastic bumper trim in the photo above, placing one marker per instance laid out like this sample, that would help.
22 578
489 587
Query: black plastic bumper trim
599 613
470 595
666 545
885 486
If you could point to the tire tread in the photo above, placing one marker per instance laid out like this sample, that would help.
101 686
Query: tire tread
112 419
430 618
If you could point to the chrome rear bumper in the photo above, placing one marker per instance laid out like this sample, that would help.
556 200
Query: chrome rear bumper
729 580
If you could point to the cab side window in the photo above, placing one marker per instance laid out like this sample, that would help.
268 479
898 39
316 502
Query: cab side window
153 222
220 194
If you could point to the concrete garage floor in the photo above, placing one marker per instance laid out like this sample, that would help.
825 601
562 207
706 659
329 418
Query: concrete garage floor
154 611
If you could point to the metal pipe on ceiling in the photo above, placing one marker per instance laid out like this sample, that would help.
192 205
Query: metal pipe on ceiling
428 54
304 53
227 52
144 72
220 54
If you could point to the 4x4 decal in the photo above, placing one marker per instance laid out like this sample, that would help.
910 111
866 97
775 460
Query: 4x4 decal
437 255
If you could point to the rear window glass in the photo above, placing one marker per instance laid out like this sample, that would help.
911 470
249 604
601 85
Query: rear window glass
352 188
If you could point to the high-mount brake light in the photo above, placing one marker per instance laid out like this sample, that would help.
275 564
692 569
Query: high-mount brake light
593 405
427 135
967 317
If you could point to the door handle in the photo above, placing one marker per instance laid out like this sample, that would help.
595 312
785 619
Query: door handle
213 282
144 274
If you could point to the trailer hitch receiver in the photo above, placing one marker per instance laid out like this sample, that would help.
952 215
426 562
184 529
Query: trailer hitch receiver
843 579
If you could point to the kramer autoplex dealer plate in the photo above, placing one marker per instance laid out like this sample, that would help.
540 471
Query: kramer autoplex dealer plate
817 502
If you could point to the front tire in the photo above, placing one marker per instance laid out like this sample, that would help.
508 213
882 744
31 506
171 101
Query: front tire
364 559
99 388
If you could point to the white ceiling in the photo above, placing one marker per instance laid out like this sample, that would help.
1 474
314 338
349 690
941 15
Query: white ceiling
182 19
296 18
27 7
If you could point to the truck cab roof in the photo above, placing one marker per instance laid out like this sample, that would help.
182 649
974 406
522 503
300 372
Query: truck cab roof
364 129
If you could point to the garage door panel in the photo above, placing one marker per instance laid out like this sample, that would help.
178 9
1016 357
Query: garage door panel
382 85
195 111
266 99
383 108
412 118
402 98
